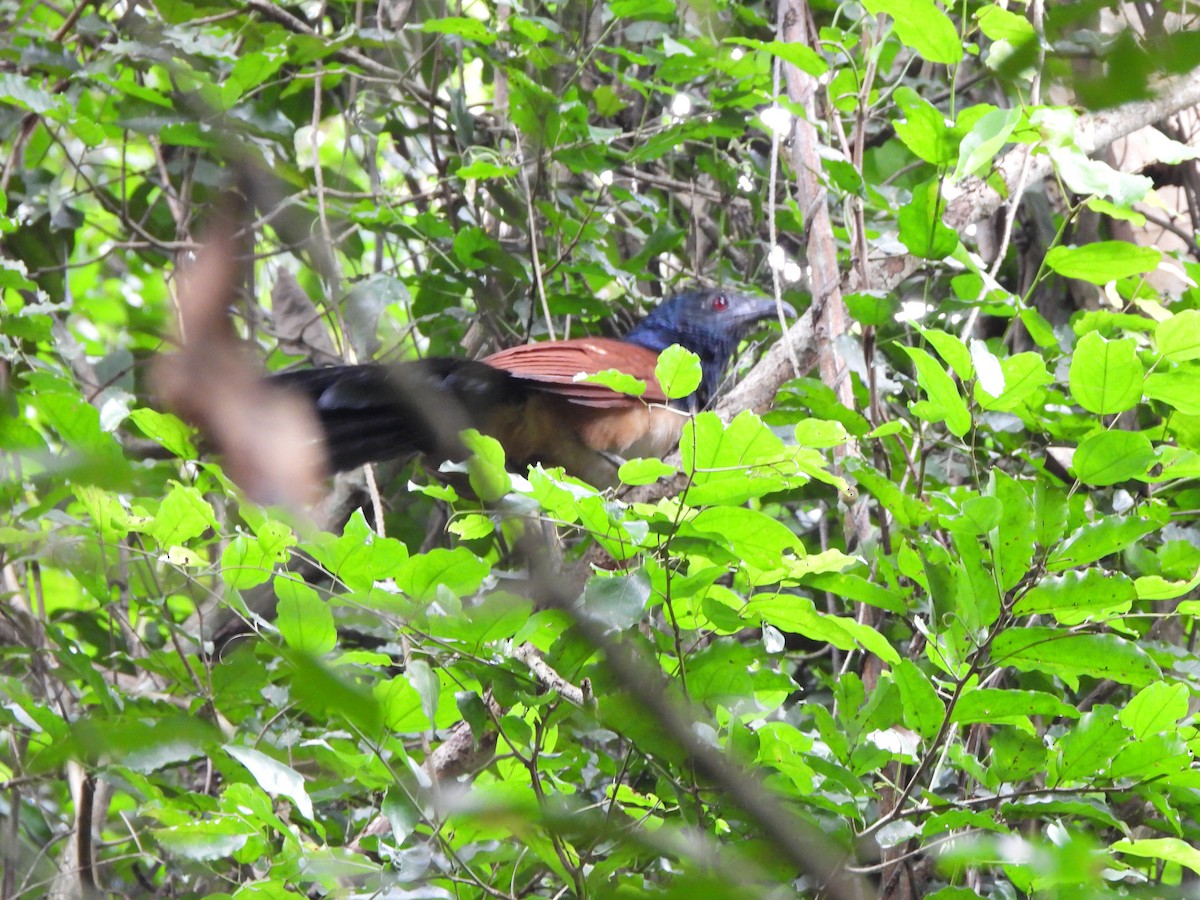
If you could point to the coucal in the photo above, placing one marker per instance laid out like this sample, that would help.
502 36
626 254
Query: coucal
529 398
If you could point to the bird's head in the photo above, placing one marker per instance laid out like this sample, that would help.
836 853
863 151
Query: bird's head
710 323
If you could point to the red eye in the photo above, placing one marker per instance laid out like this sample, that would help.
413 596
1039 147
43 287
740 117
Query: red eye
720 303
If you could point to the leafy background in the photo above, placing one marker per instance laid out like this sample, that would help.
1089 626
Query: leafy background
925 628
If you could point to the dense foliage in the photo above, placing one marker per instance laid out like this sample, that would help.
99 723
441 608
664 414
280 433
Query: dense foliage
922 628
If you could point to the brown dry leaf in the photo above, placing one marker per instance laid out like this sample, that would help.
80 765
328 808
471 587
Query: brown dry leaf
298 323
270 439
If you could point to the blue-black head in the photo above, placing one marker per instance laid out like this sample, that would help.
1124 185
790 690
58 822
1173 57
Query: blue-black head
710 323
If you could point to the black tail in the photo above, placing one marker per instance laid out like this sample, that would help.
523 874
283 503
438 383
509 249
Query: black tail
371 413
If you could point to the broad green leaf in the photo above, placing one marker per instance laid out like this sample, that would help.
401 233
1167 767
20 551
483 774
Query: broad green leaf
471 527
1084 175
205 840
244 564
401 706
908 510
1167 849
458 571
1178 338
797 615
303 618
1156 708
460 26
924 132
644 471
922 230
979 516
617 601
985 141
166 430
923 708
615 379
754 537
1097 540
1152 757
1103 261
1013 538
1088 747
1000 24
1074 596
921 25
184 514
1009 706
945 403
1018 752
483 169
1023 374
952 350
274 777
359 557
1106 376
1049 512
1109 457
1155 587
856 589
732 463
485 467
1074 656
802 57
976 594
678 371
1179 390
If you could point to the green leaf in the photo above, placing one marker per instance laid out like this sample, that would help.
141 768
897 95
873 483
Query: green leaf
1074 656
615 379
1178 338
924 132
1109 457
744 459
802 57
1106 376
1013 539
1156 708
459 571
205 841
1103 261
274 777
1155 587
184 514
644 471
1097 540
1089 747
1009 706
166 430
923 708
952 350
1179 390
1167 849
485 467
922 230
945 402
857 589
797 615
919 24
460 26
985 140
1074 596
754 537
482 169
1000 24
678 371
303 618
1023 374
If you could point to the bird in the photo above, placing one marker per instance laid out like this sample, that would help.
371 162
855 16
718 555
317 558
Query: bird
530 398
